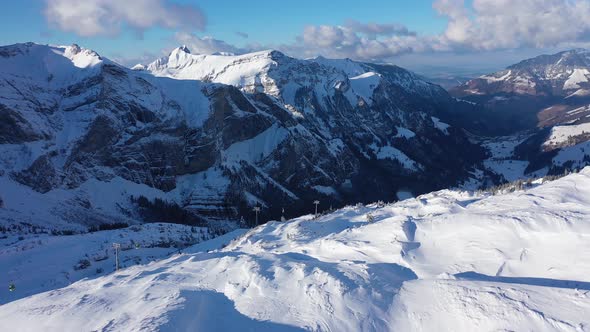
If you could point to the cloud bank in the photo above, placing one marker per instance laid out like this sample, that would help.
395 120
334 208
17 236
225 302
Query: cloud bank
485 25
108 17
474 26
501 24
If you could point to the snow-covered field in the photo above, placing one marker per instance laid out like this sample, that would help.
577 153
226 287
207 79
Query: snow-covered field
35 263
502 160
445 261
561 134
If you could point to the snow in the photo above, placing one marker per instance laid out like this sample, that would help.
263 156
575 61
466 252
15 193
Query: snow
502 160
42 262
442 261
364 85
511 170
561 134
404 194
240 70
326 190
254 200
139 67
189 96
503 147
61 209
347 66
42 60
491 78
578 110
389 152
503 308
576 156
335 146
579 75
258 147
404 133
205 190
440 125
579 93
280 76
82 58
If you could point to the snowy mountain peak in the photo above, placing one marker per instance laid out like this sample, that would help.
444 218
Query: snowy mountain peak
56 65
184 49
82 57
562 73
571 58
74 49
547 90
276 74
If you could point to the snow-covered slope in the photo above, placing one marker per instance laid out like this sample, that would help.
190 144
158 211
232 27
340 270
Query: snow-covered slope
546 98
560 135
446 261
558 74
36 263
543 91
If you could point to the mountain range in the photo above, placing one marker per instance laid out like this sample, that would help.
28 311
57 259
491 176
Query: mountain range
217 134
547 96
130 195
196 138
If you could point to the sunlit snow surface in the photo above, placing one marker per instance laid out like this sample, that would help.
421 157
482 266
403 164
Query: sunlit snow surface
561 134
446 261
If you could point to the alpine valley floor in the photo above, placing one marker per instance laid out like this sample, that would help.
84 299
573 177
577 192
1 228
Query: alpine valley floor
445 261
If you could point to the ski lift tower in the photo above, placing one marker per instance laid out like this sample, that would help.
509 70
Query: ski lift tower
316 202
256 210
117 246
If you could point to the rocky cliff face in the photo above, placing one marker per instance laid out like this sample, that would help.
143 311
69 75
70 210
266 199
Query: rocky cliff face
219 134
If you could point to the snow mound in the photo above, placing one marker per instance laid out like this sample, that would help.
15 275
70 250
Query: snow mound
442 261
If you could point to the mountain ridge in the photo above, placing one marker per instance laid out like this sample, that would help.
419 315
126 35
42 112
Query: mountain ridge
219 149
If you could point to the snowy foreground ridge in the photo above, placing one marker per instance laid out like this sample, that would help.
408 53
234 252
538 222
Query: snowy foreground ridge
445 261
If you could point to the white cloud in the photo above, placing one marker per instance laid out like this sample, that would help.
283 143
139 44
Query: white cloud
373 30
356 40
506 24
206 45
483 25
108 17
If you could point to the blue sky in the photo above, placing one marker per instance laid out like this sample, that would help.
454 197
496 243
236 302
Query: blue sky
269 21
483 34
265 22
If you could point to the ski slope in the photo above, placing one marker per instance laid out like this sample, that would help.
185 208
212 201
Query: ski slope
445 261
36 263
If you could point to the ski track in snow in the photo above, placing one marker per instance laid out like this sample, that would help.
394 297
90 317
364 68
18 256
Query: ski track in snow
445 261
